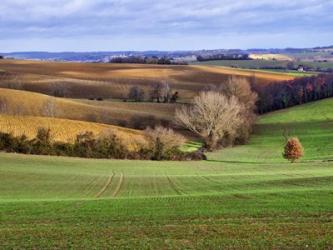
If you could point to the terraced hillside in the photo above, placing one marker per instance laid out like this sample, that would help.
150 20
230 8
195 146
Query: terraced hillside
244 198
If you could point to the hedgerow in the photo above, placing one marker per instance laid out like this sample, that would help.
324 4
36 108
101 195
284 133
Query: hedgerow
87 145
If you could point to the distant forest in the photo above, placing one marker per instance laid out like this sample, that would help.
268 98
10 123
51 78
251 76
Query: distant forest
280 95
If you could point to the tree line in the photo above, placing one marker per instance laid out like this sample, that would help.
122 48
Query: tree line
158 144
284 94
160 92
147 60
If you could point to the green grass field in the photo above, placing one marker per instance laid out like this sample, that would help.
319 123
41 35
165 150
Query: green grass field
270 65
246 197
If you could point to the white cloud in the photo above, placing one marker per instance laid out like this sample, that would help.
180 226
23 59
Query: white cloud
72 19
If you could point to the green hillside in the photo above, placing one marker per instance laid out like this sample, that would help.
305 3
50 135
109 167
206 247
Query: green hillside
245 197
312 123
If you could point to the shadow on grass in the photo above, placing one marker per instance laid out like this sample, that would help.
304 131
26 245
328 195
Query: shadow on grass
237 162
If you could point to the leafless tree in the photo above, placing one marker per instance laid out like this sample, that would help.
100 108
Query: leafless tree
11 81
161 92
136 93
166 92
49 107
241 88
59 89
212 116
3 106
161 140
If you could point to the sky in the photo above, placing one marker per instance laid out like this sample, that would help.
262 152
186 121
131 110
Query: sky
113 25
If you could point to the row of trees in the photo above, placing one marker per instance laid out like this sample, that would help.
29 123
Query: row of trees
146 60
159 92
280 95
158 144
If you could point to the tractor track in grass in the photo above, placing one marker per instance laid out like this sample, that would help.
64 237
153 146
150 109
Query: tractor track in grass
120 183
105 187
174 187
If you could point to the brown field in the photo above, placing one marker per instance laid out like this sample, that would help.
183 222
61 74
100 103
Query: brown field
61 129
84 80
20 102
35 82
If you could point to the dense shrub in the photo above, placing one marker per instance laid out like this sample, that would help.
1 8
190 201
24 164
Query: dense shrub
110 147
63 149
293 150
107 146
84 145
163 142
19 144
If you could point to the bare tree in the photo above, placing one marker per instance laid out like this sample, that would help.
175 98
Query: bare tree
59 89
3 106
155 92
212 116
15 82
49 107
162 140
136 93
161 92
241 88
165 92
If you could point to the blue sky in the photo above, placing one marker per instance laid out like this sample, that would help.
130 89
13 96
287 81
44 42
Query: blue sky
100 25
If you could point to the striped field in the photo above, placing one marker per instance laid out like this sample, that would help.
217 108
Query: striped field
247 197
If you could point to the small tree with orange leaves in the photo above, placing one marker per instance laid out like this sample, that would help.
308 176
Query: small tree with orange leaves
293 150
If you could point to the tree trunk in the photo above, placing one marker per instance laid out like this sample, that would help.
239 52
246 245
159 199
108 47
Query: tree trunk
211 142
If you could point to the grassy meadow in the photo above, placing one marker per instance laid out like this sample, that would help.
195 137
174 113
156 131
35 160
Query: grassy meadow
269 65
246 197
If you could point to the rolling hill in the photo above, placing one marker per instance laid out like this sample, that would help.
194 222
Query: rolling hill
85 80
312 123
243 197
19 102
62 130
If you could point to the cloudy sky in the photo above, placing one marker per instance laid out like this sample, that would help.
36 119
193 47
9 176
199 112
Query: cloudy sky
100 25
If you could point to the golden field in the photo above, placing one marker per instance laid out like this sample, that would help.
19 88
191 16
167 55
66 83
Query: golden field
20 102
61 129
278 57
